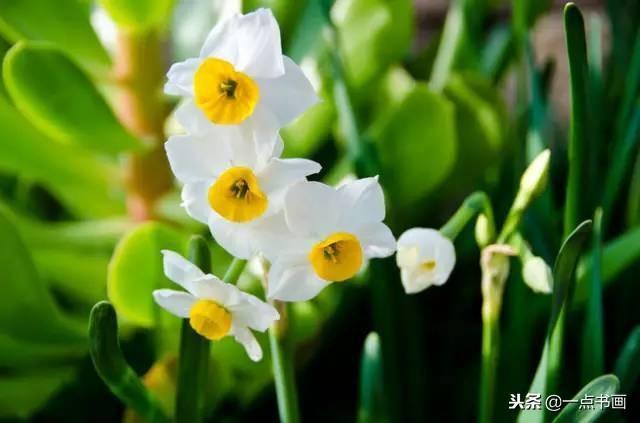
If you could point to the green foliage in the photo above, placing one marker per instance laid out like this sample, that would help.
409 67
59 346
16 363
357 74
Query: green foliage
59 98
136 270
604 385
627 366
371 387
65 23
139 15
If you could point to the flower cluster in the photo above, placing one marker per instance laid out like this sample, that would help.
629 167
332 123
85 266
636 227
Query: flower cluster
237 95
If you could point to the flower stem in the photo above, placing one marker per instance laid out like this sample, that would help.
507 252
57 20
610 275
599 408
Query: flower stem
234 271
490 349
283 366
194 352
477 202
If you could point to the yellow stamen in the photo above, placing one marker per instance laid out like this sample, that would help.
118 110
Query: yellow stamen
225 95
429 265
210 320
236 195
337 258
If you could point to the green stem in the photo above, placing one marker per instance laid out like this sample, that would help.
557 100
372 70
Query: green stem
234 271
113 369
283 366
194 352
477 202
490 349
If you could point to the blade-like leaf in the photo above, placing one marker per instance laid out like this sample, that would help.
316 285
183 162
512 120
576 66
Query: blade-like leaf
59 98
604 385
627 366
371 382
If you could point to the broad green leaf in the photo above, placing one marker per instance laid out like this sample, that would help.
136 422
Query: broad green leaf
617 256
139 15
371 383
29 315
563 273
417 145
373 34
304 136
60 99
604 385
627 366
65 23
77 178
136 270
22 395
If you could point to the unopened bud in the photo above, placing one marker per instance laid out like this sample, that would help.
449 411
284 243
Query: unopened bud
537 275
534 179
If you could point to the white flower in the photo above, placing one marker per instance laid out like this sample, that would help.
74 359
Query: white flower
214 308
234 184
325 235
425 258
240 78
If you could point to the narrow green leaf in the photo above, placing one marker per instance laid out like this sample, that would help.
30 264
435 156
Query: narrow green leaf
65 23
136 270
371 407
617 255
592 335
284 372
60 99
194 352
576 207
81 181
548 369
139 15
627 366
604 385
111 366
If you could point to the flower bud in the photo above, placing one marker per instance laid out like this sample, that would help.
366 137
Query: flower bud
485 232
537 275
534 179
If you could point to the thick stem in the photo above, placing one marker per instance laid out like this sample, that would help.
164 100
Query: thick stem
139 69
490 349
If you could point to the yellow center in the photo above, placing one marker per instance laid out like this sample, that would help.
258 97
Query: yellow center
225 95
337 258
210 320
236 195
429 265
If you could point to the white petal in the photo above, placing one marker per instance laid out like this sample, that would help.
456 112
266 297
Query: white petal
195 158
221 42
175 302
293 279
179 269
363 201
195 200
244 336
251 311
281 173
210 287
376 239
274 239
180 77
407 257
236 238
289 95
193 119
414 281
259 48
312 209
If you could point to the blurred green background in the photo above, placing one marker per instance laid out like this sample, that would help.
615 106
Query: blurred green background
446 98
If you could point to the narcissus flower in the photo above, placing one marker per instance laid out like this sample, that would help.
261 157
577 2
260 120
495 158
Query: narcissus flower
215 309
240 78
425 258
326 235
234 184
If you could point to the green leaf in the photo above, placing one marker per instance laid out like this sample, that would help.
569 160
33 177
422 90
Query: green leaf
563 271
604 385
627 366
139 15
111 366
373 34
304 136
76 177
60 99
371 383
65 23
576 203
136 270
416 142
618 255
24 394
592 335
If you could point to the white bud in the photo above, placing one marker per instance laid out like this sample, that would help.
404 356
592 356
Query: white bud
537 274
534 179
